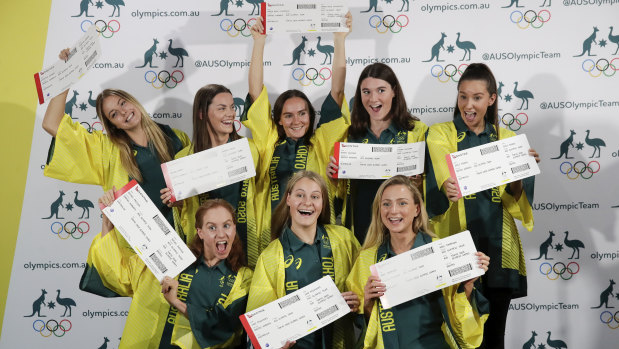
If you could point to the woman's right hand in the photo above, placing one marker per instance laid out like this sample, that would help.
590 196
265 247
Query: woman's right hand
166 198
107 199
373 289
289 344
257 29
451 190
332 168
64 54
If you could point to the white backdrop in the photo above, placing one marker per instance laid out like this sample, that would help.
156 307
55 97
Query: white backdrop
529 42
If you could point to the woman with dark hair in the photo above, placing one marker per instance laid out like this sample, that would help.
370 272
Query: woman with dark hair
214 288
304 248
450 318
489 215
287 141
379 116
213 125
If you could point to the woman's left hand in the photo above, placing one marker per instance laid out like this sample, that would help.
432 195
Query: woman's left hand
166 198
352 300
483 262
169 288
534 154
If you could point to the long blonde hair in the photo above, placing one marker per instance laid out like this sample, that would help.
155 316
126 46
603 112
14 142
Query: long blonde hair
377 232
157 140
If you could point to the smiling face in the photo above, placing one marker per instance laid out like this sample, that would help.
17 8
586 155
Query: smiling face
121 113
305 203
221 114
473 102
376 97
295 118
217 233
398 209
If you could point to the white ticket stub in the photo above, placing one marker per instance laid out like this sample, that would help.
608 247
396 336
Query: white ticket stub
150 235
491 165
302 16
295 315
428 268
209 169
378 161
53 80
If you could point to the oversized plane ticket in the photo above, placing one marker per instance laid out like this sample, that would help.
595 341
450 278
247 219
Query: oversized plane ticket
209 169
378 161
295 315
427 268
150 235
302 16
53 80
491 165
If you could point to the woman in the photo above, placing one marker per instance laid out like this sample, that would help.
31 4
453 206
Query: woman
303 242
213 125
287 142
210 307
379 116
442 319
488 215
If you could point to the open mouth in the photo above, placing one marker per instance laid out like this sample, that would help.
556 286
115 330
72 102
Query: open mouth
129 118
376 108
221 246
228 122
306 212
470 116
395 220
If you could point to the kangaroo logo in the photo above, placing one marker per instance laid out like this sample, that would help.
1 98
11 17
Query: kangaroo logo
373 5
555 343
530 344
596 143
512 2
404 2
67 303
36 305
326 49
179 52
223 7
296 53
256 7
524 96
68 107
614 39
604 296
575 245
586 45
54 207
84 8
104 345
116 4
565 146
467 46
549 3
436 48
148 55
543 248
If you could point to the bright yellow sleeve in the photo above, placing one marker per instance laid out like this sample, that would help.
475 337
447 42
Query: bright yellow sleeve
467 324
360 273
258 120
267 283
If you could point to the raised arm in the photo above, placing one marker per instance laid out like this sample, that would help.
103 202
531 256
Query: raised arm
339 62
55 109
256 70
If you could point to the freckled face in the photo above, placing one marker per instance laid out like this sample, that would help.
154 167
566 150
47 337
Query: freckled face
217 233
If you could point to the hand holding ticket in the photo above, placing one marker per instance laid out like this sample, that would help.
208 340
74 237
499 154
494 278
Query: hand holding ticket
302 16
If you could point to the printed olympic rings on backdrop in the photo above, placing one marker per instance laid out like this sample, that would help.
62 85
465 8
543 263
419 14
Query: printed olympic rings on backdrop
237 125
311 75
388 23
553 272
514 123
530 18
448 72
164 78
69 228
579 169
236 27
52 326
601 66
105 29
96 126
607 318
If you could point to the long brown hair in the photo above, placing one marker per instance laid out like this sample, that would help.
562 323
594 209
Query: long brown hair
480 71
277 115
158 141
281 215
399 115
377 232
236 257
201 122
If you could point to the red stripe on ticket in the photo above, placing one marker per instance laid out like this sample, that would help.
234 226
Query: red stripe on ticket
37 82
336 155
452 172
121 191
263 9
168 181
250 332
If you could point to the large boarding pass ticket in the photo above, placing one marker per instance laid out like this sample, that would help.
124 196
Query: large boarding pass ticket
295 315
428 268
150 235
53 80
378 161
302 16
209 169
491 165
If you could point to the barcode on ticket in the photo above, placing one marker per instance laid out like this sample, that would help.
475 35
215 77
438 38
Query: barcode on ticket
422 253
92 56
329 25
237 171
323 314
489 150
407 168
289 301
460 270
306 6
520 168
158 263
382 149
161 225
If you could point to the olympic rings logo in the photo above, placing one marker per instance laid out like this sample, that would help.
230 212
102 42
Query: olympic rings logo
388 23
311 75
559 269
607 319
163 78
530 18
513 122
602 66
579 168
239 26
237 125
448 72
70 229
52 326
103 28
96 126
